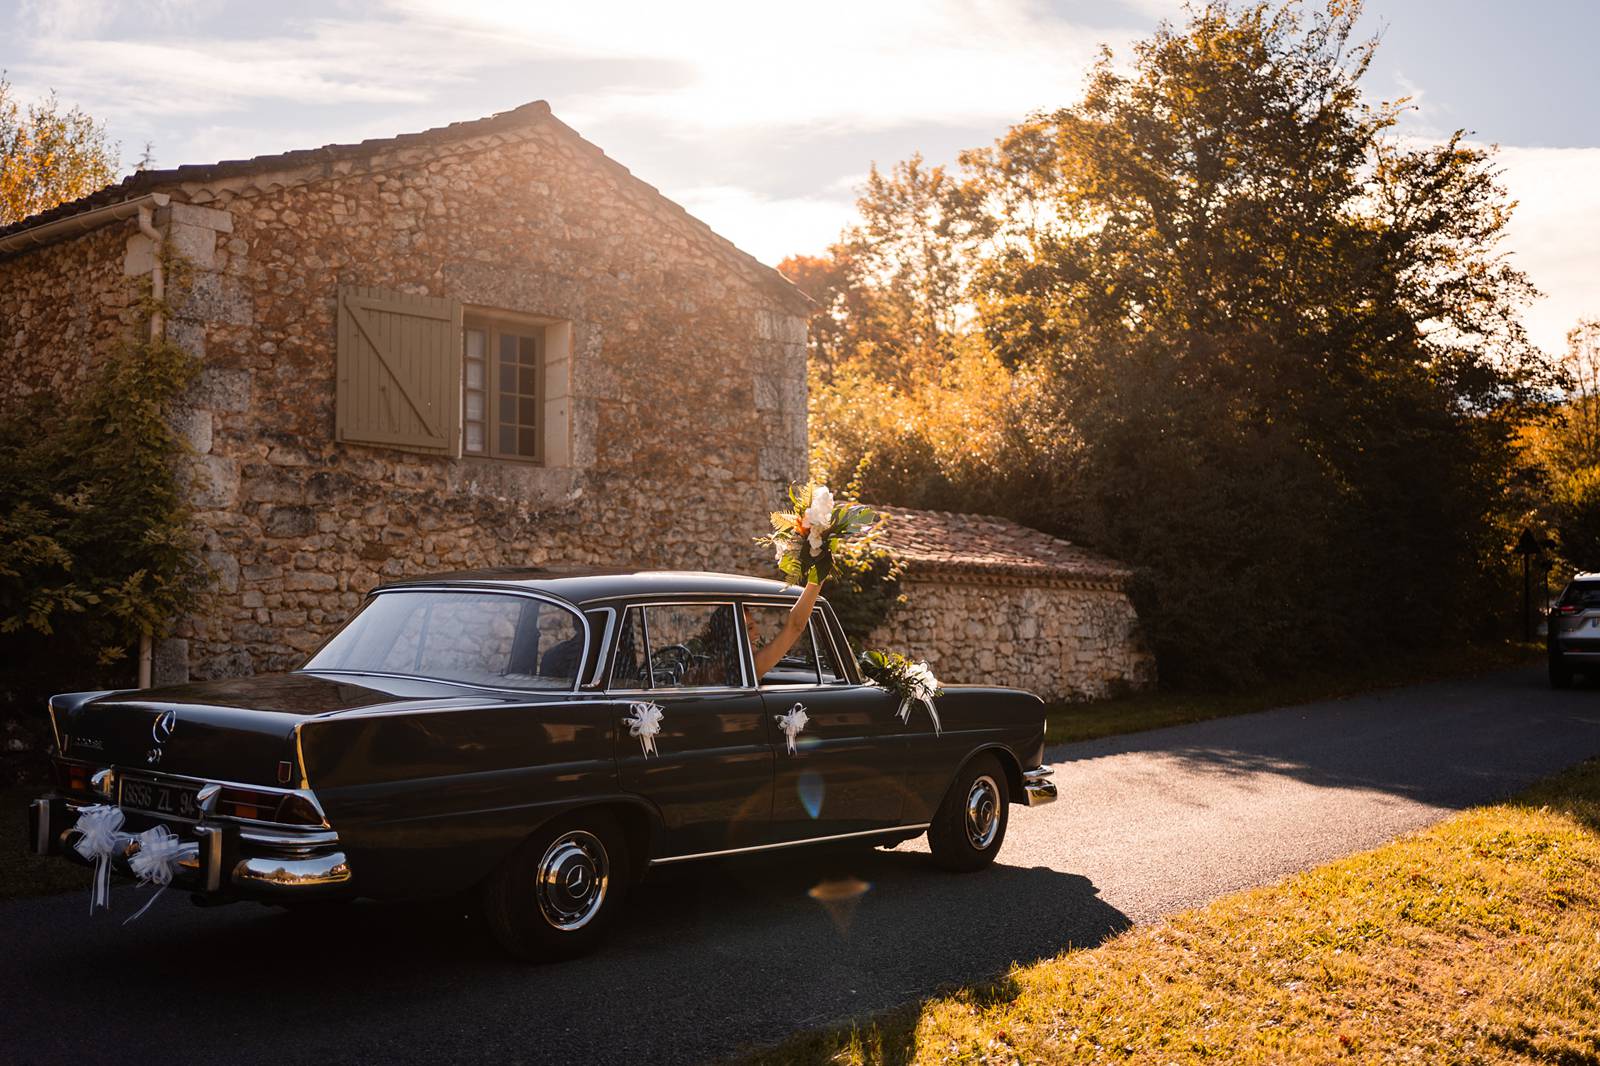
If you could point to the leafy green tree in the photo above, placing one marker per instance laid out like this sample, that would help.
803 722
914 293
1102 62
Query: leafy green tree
1266 350
890 292
96 545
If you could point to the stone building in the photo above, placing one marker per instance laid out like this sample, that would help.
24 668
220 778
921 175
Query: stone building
987 599
485 344
488 344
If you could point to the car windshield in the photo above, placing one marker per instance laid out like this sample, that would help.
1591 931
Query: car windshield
480 638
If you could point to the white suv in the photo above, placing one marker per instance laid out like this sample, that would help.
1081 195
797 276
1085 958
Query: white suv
1572 637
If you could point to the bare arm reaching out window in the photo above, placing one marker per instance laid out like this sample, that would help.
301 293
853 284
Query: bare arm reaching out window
768 654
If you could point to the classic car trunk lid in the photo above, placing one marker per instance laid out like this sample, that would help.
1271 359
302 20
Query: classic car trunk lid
234 730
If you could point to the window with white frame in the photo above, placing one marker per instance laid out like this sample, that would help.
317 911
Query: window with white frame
502 389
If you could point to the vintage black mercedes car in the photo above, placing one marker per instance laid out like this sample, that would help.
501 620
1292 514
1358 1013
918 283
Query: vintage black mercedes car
543 739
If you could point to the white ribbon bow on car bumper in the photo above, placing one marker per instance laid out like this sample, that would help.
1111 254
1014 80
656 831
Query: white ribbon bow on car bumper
156 861
99 837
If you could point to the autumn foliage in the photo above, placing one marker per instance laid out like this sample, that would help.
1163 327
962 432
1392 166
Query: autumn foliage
48 154
1215 319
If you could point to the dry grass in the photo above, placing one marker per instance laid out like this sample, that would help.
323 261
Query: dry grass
1474 941
1067 722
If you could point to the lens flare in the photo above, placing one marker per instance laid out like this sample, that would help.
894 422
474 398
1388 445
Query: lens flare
839 898
811 789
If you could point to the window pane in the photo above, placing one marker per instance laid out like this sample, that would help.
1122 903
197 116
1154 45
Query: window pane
508 410
693 646
474 374
508 379
528 443
508 348
798 665
474 437
829 668
527 381
527 350
474 637
474 344
628 670
527 410
508 440
474 407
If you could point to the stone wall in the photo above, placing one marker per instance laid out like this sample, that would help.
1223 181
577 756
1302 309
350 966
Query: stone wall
688 377
63 307
1060 643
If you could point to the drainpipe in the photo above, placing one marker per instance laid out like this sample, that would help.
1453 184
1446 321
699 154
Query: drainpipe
158 293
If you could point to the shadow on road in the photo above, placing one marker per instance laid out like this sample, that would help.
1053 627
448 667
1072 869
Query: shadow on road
1450 744
708 956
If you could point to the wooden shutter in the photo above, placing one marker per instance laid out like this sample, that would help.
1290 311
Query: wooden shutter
399 370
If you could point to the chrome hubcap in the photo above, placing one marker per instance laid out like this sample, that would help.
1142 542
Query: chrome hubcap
572 880
983 812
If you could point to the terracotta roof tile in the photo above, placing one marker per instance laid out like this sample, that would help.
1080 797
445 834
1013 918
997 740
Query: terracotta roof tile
947 542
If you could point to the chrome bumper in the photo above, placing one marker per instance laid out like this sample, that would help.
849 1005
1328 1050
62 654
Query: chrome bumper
1037 788
229 862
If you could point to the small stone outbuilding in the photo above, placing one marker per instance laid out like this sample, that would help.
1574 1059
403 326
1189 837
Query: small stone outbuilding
485 344
988 600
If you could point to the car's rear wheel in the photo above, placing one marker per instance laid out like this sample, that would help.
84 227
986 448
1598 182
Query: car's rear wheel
557 895
1560 673
970 825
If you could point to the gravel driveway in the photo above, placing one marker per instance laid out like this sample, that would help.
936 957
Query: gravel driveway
713 956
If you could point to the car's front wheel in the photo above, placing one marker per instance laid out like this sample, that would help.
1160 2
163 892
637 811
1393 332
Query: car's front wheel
970 825
557 895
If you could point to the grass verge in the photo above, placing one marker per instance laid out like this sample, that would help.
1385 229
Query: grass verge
1476 940
1066 722
22 873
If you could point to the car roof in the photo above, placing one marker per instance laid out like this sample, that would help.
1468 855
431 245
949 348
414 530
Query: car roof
584 586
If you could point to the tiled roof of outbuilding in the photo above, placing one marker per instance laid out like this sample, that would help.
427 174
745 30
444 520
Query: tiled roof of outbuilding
944 542
141 182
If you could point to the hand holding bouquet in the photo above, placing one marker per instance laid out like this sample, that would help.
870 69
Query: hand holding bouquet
804 538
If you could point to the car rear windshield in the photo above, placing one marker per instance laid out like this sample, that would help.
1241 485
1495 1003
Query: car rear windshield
1585 594
479 638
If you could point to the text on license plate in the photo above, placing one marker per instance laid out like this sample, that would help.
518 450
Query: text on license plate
160 798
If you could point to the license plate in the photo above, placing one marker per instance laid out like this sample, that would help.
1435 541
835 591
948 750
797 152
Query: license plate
159 797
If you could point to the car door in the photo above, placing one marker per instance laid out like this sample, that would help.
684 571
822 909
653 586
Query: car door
847 771
707 766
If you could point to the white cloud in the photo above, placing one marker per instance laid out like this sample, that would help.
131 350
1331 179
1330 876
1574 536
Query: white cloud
835 63
1554 235
770 227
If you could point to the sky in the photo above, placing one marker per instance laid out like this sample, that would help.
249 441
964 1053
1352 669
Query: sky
763 118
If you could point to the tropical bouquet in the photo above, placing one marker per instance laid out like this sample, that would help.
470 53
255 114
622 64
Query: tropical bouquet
805 537
913 682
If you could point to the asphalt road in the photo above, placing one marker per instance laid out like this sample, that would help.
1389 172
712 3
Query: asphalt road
716 956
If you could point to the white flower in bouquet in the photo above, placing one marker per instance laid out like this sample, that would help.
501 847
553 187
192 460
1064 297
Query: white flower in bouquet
805 537
926 686
818 517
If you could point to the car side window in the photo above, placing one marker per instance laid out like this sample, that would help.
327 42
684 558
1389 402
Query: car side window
799 664
693 645
628 670
827 666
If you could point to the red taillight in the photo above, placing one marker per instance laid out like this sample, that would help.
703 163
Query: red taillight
1566 608
73 776
289 809
246 802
